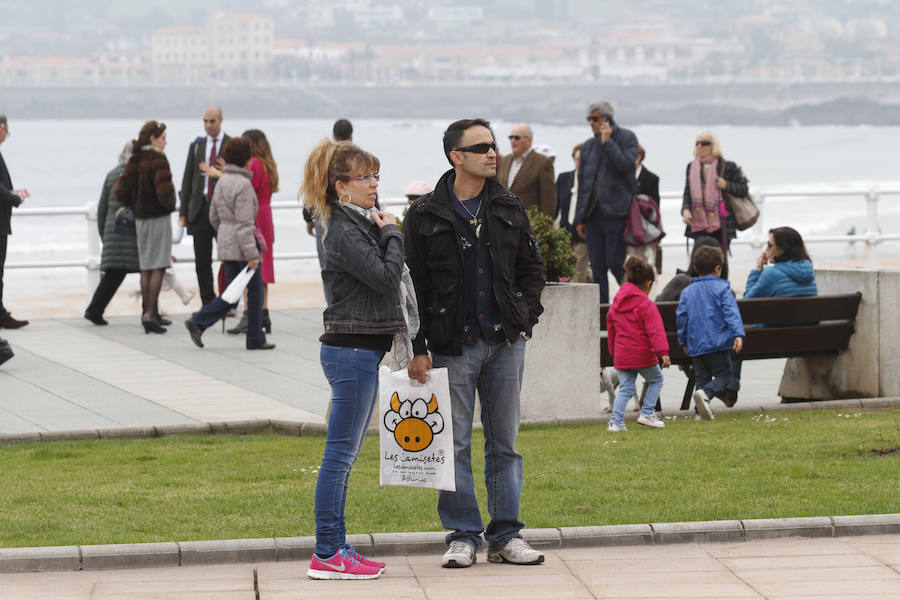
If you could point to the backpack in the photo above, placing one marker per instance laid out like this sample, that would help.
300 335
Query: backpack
643 225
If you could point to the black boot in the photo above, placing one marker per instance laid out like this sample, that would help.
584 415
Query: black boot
241 327
266 322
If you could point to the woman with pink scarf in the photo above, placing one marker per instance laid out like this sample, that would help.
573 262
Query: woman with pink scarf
708 177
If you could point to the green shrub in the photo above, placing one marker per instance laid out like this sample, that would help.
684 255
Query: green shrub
556 247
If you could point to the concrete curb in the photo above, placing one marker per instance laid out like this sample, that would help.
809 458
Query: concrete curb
170 554
298 428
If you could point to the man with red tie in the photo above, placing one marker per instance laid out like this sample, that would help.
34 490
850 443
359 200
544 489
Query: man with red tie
196 193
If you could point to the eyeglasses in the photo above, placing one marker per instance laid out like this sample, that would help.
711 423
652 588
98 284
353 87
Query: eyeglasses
367 178
482 148
703 143
518 137
594 119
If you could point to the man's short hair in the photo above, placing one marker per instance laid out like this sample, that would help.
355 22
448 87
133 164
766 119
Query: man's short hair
342 130
706 259
603 107
575 150
3 121
455 133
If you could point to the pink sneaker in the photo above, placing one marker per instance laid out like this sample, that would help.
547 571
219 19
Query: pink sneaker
351 551
340 566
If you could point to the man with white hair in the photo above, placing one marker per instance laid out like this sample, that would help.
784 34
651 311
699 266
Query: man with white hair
605 187
528 174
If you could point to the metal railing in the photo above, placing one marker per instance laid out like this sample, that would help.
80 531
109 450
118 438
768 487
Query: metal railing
872 236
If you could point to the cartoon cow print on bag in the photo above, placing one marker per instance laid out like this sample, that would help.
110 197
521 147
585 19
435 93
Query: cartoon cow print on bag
414 423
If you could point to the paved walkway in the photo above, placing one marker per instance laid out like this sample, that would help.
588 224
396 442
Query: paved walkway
69 374
852 568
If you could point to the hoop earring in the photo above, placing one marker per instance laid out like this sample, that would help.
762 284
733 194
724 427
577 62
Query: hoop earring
347 201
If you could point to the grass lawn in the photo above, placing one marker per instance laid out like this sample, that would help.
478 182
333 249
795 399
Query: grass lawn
785 464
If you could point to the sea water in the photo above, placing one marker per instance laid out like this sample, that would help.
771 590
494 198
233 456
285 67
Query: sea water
64 163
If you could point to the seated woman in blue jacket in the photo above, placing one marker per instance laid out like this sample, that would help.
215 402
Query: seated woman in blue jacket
791 274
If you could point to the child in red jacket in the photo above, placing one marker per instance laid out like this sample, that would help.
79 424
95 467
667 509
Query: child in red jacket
637 342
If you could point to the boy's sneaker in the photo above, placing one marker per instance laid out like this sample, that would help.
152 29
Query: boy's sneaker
459 554
351 551
516 551
701 403
613 428
340 566
651 421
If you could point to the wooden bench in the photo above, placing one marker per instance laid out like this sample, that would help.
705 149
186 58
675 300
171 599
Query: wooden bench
827 329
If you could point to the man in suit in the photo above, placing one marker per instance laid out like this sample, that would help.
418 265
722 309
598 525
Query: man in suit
566 201
528 174
648 184
9 198
196 193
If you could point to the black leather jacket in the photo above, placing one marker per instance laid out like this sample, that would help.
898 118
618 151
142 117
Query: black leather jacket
361 275
434 256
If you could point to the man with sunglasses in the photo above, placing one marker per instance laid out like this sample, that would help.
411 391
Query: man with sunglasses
605 186
477 271
528 174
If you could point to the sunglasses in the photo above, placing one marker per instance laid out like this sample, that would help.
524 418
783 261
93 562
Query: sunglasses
482 148
517 137
703 143
769 245
367 178
594 119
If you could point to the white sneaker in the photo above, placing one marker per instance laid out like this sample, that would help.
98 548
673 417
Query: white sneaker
701 402
651 421
460 554
613 428
518 552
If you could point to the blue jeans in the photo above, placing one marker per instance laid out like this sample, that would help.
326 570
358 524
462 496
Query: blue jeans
606 250
353 376
627 378
496 371
712 372
218 308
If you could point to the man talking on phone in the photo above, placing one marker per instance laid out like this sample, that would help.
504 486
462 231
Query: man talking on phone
605 187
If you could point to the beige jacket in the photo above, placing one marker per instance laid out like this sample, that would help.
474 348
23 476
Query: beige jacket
232 213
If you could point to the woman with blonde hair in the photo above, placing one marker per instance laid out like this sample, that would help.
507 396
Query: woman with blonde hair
708 178
362 267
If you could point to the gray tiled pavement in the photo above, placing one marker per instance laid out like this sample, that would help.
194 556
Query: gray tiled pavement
69 374
856 568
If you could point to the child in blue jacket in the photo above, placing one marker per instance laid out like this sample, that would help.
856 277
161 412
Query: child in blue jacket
709 327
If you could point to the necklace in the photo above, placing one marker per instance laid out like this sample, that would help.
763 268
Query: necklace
474 220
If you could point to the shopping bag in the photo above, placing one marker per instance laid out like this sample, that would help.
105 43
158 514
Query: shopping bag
236 288
416 430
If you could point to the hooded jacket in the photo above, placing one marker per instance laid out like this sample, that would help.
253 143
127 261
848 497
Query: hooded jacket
788 278
707 316
232 213
637 337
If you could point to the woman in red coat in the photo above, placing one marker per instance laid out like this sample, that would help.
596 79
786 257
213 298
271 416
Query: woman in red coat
637 341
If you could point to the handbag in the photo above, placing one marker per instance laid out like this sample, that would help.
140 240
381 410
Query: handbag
744 209
236 288
416 430
643 225
125 222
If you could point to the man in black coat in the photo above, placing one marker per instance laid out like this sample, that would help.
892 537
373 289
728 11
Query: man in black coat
648 184
196 193
566 200
9 198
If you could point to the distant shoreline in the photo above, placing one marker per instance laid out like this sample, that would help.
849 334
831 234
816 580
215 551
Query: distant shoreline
770 104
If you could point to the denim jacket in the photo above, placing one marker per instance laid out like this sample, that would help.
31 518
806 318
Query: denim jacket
361 275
